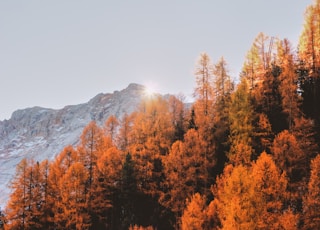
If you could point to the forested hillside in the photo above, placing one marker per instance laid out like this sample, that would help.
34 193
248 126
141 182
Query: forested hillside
243 156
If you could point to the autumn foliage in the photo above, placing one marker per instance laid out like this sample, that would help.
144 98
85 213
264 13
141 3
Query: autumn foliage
242 156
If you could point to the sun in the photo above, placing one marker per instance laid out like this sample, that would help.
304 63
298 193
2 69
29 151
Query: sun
150 89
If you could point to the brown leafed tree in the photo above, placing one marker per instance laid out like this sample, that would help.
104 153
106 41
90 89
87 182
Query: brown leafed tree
203 113
312 198
203 91
150 139
178 119
27 208
223 88
263 135
289 220
74 198
17 208
123 137
309 57
271 185
176 175
288 82
194 215
93 144
241 130
238 204
111 126
186 171
108 184
57 170
290 158
256 64
309 45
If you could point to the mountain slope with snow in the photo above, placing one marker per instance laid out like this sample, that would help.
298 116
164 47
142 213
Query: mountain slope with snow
42 133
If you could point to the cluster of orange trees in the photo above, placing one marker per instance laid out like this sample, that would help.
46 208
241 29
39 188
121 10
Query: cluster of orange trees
242 156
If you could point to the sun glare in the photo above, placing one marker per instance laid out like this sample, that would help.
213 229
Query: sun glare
150 90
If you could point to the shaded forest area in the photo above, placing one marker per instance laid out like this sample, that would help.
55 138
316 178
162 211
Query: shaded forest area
243 156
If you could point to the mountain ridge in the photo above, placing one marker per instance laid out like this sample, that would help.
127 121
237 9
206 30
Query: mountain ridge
41 133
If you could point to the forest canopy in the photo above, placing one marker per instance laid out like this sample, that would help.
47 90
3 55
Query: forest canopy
242 156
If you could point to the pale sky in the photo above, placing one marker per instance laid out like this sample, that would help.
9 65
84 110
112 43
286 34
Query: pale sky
62 52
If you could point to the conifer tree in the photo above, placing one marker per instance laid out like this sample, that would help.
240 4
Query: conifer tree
123 137
309 57
288 82
128 195
290 158
223 87
262 135
254 65
75 213
204 114
261 74
57 170
194 215
196 163
309 45
27 205
151 138
111 126
93 144
304 131
289 220
204 80
17 208
179 182
212 216
312 198
46 209
241 118
238 204
36 197
108 186
271 185
2 220
177 112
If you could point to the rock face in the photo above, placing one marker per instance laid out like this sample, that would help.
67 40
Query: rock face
41 133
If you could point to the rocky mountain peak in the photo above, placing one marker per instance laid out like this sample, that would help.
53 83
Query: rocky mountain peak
41 133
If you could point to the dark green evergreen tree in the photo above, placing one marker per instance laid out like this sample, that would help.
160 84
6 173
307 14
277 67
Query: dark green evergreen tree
128 194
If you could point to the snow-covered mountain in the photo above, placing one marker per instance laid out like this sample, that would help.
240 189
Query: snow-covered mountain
42 133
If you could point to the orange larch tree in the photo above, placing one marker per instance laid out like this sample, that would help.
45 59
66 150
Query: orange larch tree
223 86
271 185
93 144
74 198
241 130
194 215
288 82
204 114
111 127
123 137
57 170
27 207
108 185
17 210
309 57
238 204
150 139
178 120
309 45
312 198
290 158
